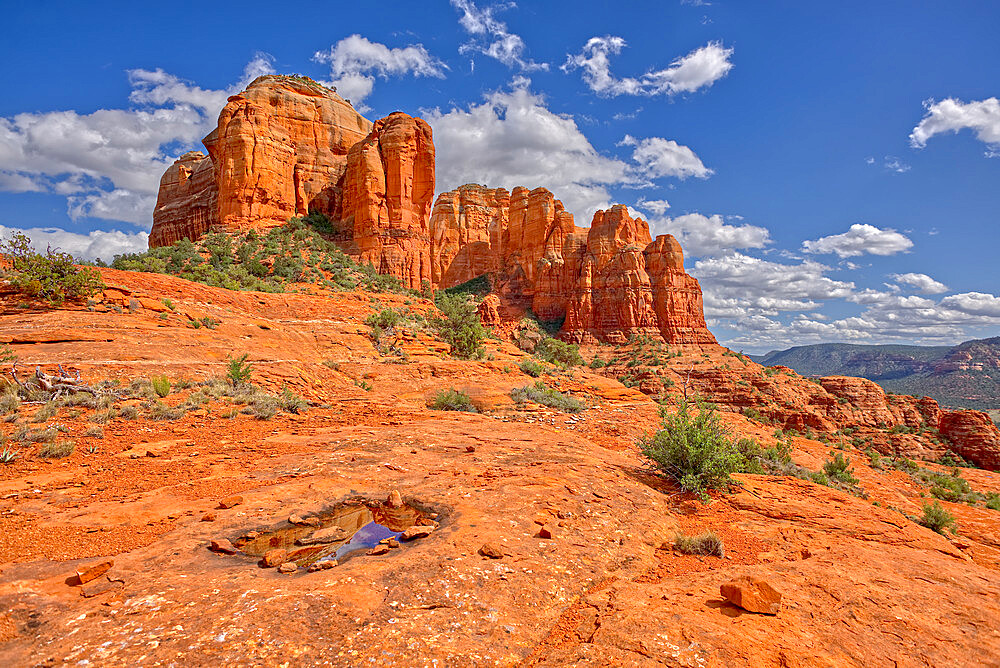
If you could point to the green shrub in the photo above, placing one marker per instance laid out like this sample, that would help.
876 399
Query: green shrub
697 451
57 449
8 456
93 432
705 544
839 468
238 369
992 501
453 400
290 402
558 352
596 363
161 385
7 354
387 318
459 326
546 396
936 518
532 368
52 276
262 407
46 412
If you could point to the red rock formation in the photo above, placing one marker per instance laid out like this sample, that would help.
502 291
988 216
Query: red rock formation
974 436
187 203
677 300
466 226
280 149
388 191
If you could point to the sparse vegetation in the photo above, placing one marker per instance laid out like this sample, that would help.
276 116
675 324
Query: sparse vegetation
936 518
558 352
697 451
532 368
704 544
57 449
161 385
453 400
839 468
459 326
51 276
540 393
238 369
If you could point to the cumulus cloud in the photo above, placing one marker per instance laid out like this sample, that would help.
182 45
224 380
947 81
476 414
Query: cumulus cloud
698 69
894 164
922 282
858 240
951 115
491 37
659 157
354 61
108 163
512 139
706 236
657 206
96 244
974 303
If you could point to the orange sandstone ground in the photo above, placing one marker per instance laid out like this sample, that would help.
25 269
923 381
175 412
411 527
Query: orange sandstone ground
862 584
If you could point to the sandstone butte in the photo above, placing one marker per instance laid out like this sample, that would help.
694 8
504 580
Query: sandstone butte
287 146
545 540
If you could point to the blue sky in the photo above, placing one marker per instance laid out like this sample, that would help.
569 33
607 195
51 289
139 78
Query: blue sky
831 169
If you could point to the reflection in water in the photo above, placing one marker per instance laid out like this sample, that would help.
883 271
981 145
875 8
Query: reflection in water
363 527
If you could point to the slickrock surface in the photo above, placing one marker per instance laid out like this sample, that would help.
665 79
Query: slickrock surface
862 584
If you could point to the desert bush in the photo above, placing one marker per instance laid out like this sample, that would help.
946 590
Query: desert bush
540 393
57 449
161 385
290 402
839 468
596 363
46 412
705 544
453 400
532 368
262 407
157 410
697 451
93 432
7 354
238 370
459 326
558 352
936 518
51 276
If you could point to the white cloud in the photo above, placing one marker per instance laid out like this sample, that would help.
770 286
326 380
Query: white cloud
858 240
658 157
974 303
698 69
706 236
657 206
922 282
109 162
354 61
96 244
894 164
951 115
491 37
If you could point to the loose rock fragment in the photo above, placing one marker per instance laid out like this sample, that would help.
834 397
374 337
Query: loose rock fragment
416 532
301 520
85 574
395 499
378 549
332 534
273 558
208 517
230 502
490 550
547 532
288 567
222 546
752 594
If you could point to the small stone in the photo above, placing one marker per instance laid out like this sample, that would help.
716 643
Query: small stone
250 535
288 567
328 564
230 502
564 514
752 594
470 448
85 574
416 532
547 532
222 546
378 549
333 534
395 499
208 517
98 587
392 543
303 520
273 558
491 551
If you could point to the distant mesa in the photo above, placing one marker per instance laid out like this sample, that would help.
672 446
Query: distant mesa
287 146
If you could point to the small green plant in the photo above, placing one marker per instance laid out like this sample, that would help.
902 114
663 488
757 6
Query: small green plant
238 369
209 322
46 412
839 468
57 449
540 393
558 352
459 326
161 385
936 518
330 364
596 363
697 451
7 354
169 304
8 456
705 544
363 384
453 400
532 368
93 432
290 402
